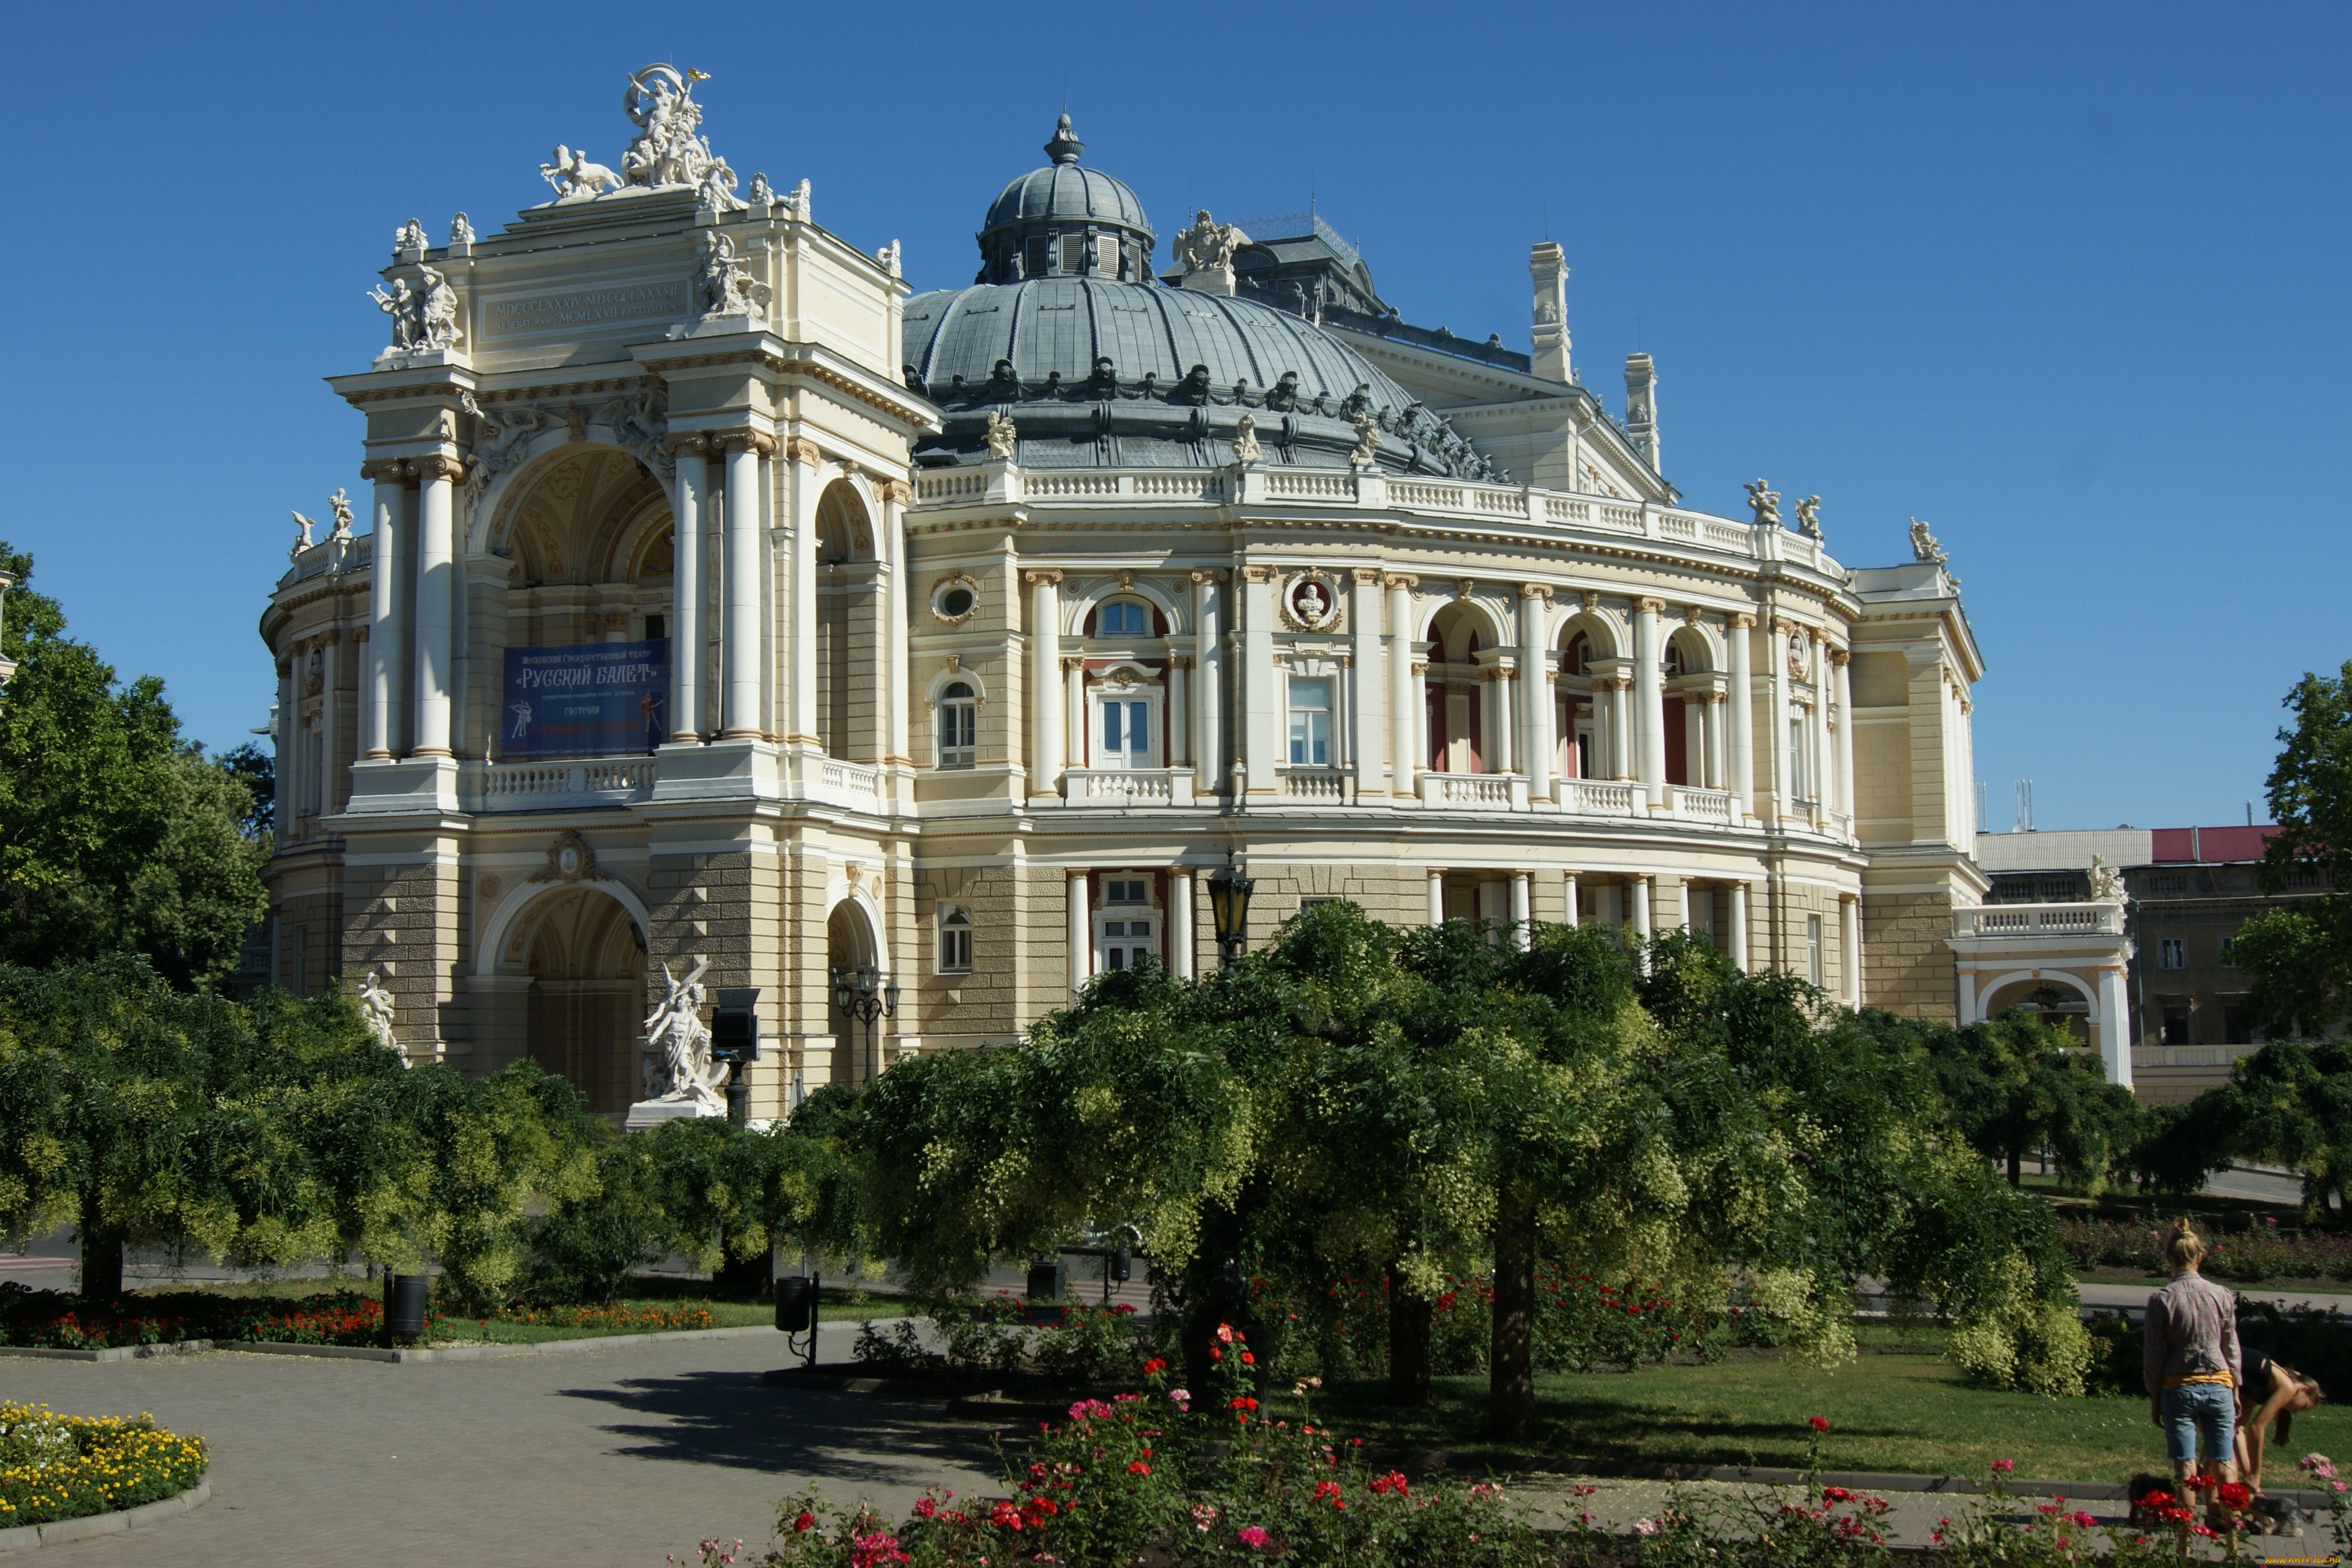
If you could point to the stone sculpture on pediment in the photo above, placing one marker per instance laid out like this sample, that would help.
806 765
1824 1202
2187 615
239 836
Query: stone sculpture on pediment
1924 546
1002 439
575 178
341 503
668 149
410 236
436 311
400 304
461 232
1367 440
763 195
1808 517
1765 502
715 196
2106 883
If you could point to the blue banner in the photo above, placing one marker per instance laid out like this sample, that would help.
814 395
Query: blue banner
591 700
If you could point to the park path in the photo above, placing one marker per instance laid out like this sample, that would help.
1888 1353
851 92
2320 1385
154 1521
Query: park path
590 1457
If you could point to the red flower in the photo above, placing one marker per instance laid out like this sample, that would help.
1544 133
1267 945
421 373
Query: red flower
2234 1495
1248 1360
1817 1422
1154 1366
1138 1468
1391 1482
804 1523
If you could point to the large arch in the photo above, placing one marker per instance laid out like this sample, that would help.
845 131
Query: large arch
852 938
851 626
2018 987
575 953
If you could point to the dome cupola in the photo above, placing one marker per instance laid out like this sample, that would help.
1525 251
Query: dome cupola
1063 221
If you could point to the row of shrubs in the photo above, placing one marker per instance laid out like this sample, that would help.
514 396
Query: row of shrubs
57 1466
2259 1252
55 1320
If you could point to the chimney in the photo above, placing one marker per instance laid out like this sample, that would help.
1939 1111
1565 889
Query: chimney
1549 270
1641 408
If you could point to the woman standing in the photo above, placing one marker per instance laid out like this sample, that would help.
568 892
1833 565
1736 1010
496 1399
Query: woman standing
2190 1362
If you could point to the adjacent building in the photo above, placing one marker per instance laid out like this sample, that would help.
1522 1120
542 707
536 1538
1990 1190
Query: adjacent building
724 602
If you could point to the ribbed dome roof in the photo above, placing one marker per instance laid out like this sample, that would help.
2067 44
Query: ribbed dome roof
1065 192
1099 372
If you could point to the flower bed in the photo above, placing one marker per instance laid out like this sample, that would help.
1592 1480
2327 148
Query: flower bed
614 1317
2261 1252
68 1466
55 1320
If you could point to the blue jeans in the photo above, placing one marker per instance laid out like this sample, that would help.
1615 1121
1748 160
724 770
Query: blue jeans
2206 1410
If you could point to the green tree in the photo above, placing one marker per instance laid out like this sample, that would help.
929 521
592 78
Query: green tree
2300 958
2014 1083
2289 1103
116 834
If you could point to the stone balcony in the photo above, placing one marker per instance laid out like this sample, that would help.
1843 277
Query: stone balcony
2022 921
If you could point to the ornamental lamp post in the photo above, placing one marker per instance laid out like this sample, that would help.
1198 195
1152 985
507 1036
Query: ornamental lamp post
862 997
1229 897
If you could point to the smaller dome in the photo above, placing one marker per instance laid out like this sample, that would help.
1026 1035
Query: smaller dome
1039 225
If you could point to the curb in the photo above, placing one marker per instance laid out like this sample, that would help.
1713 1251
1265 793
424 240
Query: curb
64 1532
396 1357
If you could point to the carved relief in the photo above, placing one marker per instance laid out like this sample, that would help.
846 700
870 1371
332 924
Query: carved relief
569 860
1311 602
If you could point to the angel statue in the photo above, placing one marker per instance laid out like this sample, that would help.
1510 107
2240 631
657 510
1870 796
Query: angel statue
1765 502
661 103
1245 444
305 541
674 1029
341 502
375 1011
1808 517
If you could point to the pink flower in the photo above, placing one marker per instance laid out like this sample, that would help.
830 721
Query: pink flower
878 1550
2003 1467
1251 1536
1225 1336
1645 1527
1203 1515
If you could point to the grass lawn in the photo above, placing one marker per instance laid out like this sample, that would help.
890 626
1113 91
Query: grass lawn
1910 1412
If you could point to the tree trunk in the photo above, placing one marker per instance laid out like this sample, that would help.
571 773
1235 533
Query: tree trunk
751 1279
2016 1160
101 1264
1511 1388
1409 1324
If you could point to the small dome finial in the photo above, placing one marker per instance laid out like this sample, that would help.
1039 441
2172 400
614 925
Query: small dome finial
1065 146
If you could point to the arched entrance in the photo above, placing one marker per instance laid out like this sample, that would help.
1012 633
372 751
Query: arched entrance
586 1004
849 942
2058 999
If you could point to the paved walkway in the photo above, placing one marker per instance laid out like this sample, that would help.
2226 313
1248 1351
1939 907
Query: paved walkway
593 1458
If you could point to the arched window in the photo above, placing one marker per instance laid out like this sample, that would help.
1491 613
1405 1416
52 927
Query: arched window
1674 660
959 726
1121 619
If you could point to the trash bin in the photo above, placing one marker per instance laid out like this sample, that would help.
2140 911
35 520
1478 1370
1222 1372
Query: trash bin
1048 1280
796 1303
405 1298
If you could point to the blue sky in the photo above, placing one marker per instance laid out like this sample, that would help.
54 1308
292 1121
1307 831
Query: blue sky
2067 281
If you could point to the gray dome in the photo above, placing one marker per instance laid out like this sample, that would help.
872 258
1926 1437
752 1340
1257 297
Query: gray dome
1098 372
1063 220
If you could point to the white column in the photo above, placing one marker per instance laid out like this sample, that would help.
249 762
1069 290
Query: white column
1045 684
1520 913
1682 903
1535 691
1638 890
436 548
1719 770
1620 728
1736 939
1568 889
1652 718
1179 924
1503 754
807 492
330 724
2115 1026
897 700
1076 737
1741 635
740 630
1081 933
1437 897
1969 1000
1262 747
1776 744
1208 716
1179 711
1404 692
687 507
1818 732
1850 950
386 612
1839 660
1364 618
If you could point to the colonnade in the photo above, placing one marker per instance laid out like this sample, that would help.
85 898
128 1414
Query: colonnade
1380 716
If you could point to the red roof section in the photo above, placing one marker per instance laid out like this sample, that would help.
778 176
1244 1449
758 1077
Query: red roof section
2210 846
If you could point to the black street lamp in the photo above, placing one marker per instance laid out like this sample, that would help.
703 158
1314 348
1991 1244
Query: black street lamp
862 999
1229 897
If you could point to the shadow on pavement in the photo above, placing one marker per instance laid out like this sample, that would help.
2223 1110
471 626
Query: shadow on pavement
728 1418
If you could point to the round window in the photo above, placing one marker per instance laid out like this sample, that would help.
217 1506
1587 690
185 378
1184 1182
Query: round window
956 602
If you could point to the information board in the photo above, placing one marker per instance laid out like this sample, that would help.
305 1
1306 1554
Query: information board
589 699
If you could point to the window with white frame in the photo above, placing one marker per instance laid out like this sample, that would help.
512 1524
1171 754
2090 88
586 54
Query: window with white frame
2174 952
1813 949
1127 932
959 723
955 939
1310 721
1799 776
1122 618
1125 722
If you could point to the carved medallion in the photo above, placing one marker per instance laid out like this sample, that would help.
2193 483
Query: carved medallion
569 860
1311 602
